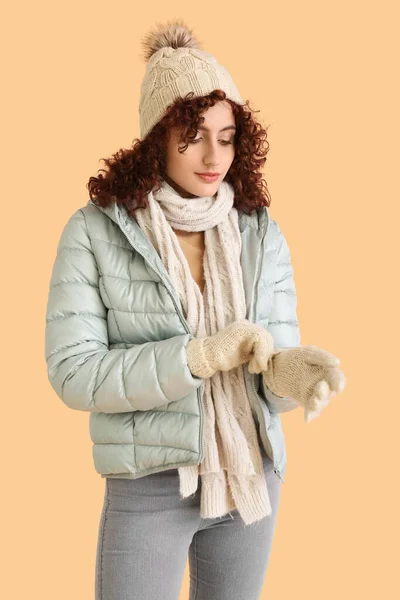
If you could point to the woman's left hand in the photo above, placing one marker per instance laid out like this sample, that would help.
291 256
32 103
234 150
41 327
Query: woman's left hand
325 394
307 374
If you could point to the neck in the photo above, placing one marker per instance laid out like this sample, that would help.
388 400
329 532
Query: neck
179 190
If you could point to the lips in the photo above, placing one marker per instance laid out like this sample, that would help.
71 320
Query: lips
208 178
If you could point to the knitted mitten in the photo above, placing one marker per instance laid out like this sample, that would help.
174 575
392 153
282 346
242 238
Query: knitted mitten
238 343
306 374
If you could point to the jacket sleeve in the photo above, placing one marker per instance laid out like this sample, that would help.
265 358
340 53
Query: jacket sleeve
85 374
283 322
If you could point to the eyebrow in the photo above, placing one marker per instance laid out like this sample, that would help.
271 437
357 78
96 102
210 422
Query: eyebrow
224 129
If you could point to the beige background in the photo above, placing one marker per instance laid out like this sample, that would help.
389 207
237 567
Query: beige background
323 76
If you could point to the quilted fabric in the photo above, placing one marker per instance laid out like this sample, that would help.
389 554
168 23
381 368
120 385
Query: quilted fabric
116 336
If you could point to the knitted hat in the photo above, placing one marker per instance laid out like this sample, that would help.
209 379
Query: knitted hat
175 66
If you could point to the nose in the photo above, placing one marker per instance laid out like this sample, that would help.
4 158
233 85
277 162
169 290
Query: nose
212 157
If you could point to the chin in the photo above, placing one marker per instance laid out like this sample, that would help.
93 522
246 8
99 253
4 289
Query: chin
207 188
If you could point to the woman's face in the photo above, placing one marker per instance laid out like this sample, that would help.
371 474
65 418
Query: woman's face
212 150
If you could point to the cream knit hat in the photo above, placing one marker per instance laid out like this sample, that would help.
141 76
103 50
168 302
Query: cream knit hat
175 66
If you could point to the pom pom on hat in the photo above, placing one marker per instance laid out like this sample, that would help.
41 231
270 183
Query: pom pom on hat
174 34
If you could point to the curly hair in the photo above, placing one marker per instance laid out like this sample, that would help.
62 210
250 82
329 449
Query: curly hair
132 173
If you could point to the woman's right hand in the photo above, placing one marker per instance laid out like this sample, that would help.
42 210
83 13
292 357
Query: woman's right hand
238 343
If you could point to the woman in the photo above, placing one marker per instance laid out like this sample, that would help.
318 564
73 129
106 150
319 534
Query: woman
172 320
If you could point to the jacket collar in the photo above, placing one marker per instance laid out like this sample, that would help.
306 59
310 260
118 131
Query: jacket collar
117 213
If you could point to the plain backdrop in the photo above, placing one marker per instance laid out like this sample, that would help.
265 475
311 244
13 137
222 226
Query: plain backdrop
324 78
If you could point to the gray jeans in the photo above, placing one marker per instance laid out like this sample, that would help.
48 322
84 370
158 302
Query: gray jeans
147 533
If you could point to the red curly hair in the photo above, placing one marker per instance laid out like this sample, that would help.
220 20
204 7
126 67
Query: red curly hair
134 172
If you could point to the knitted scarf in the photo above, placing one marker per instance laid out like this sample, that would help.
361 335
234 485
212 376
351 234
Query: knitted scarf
231 473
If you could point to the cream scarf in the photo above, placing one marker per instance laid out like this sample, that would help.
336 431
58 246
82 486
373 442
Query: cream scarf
232 473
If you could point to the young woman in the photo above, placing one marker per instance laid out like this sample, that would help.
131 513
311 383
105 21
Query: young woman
172 319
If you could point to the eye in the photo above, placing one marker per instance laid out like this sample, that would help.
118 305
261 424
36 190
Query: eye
223 142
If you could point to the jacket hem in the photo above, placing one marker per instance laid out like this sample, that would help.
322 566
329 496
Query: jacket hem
143 473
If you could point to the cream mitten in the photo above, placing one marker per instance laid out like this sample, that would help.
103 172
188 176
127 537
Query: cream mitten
238 343
307 374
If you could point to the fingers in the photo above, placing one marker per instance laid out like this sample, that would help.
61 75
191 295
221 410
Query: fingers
310 415
254 366
336 379
323 393
320 397
341 382
259 360
262 350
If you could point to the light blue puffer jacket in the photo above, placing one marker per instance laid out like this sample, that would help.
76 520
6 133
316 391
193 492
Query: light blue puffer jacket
116 336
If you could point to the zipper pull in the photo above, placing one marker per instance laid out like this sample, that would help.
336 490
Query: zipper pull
278 473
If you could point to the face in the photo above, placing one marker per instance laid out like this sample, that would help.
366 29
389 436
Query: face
213 150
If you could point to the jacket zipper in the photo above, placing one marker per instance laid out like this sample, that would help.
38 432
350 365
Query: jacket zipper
256 279
276 470
186 326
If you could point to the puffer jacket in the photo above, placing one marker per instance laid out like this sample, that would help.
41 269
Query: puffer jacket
116 337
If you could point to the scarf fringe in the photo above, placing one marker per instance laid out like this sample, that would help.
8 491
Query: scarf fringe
223 492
